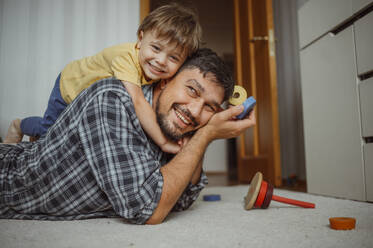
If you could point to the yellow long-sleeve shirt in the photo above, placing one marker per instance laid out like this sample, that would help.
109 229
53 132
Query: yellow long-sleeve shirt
120 61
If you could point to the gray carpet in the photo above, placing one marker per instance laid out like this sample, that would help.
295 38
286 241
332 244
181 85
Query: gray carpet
209 224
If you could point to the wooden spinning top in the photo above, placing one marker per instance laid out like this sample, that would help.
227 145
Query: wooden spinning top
261 193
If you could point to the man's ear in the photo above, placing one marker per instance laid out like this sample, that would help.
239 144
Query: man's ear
139 39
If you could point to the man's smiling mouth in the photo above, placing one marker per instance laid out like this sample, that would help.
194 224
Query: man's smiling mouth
185 116
181 117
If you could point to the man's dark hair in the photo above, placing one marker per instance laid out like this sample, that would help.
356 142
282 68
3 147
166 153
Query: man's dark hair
210 64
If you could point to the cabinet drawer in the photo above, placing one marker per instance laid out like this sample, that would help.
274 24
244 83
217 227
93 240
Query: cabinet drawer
368 159
364 43
359 4
332 129
316 17
366 106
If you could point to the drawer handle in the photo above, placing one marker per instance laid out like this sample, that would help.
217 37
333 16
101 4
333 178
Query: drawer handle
366 75
368 140
349 21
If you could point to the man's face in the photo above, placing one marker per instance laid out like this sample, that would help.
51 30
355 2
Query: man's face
187 102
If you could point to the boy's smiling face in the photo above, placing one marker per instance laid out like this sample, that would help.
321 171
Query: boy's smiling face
159 59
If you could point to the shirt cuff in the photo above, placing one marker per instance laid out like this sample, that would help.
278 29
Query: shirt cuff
151 190
190 194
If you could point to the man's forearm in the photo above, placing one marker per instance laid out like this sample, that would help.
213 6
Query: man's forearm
185 167
197 173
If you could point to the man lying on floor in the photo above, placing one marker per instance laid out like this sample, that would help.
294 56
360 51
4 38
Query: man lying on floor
96 161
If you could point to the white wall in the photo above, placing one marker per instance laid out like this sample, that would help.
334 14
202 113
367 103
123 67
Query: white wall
38 37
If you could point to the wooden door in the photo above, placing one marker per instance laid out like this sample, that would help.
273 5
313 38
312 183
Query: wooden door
258 149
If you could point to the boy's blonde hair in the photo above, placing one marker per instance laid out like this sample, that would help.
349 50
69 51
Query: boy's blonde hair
175 23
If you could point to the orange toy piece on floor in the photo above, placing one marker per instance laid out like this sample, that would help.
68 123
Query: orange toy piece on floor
261 193
342 223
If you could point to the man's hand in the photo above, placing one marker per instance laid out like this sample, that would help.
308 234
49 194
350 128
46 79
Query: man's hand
224 125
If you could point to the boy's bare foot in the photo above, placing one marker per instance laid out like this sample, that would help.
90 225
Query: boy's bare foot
33 138
14 134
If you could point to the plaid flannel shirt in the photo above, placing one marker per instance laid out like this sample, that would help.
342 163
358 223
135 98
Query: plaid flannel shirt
95 161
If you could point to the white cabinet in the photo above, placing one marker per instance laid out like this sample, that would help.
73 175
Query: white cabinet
337 94
368 157
359 4
366 107
364 43
334 163
316 17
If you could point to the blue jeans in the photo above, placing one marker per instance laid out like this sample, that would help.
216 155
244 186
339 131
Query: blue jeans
37 126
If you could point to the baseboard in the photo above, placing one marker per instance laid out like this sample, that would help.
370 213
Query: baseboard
216 173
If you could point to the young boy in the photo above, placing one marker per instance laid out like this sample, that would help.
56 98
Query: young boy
165 38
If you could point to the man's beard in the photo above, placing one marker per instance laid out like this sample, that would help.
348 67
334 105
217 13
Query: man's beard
167 129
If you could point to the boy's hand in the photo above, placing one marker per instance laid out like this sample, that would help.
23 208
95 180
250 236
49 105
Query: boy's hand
170 147
183 141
